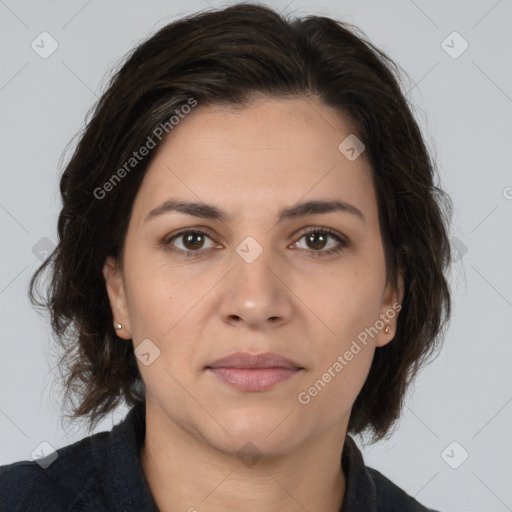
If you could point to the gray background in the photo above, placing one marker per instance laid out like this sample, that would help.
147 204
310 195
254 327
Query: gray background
464 105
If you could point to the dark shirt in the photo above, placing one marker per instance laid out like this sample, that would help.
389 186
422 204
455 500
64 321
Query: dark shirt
103 472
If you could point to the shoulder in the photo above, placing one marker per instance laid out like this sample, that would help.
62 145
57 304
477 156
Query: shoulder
24 486
369 490
391 497
58 482
99 473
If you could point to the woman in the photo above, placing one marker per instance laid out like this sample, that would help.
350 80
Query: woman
252 255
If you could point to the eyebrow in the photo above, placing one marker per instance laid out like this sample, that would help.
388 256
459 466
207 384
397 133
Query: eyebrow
207 211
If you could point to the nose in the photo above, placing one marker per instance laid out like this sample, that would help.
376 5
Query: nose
255 292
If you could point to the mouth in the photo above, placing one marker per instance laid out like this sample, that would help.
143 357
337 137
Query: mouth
254 372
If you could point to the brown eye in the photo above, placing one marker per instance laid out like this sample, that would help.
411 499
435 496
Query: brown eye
317 239
192 241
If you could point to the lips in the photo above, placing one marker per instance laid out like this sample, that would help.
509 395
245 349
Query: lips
254 372
252 361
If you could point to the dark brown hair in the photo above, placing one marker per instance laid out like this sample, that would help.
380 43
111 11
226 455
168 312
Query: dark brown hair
228 57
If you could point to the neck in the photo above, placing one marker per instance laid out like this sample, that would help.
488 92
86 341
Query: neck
185 473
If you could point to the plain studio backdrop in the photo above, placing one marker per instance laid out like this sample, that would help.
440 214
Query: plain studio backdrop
452 449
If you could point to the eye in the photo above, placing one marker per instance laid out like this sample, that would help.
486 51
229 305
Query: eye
191 241
318 238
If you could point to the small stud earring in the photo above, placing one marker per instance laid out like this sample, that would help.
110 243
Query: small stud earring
119 326
387 330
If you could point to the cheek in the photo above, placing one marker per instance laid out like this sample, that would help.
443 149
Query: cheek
163 304
158 296
148 306
342 363
341 369
347 302
348 305
159 302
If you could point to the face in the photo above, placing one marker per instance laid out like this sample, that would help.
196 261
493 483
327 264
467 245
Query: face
201 287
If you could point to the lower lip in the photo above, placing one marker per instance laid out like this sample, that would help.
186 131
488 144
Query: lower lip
254 379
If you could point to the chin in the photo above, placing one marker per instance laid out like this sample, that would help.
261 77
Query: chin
267 433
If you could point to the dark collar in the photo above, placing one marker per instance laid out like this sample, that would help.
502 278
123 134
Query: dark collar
126 485
360 491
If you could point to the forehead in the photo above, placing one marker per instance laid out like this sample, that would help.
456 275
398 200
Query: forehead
271 151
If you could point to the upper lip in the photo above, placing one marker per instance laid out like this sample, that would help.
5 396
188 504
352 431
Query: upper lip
246 360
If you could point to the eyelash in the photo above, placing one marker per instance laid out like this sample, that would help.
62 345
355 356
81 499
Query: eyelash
166 242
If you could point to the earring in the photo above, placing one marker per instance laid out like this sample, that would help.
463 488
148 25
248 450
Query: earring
387 330
119 326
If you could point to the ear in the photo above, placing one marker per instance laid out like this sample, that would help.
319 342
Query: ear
114 282
391 306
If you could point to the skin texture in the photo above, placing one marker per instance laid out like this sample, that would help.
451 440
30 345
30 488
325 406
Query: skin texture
291 300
